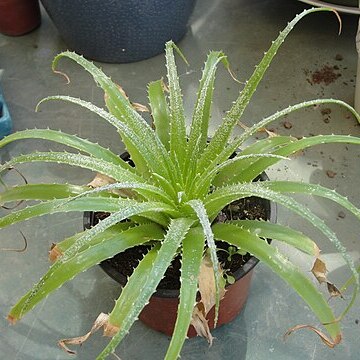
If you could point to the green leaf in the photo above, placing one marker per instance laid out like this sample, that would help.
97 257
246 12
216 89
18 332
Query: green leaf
126 312
200 121
80 204
230 169
160 111
120 106
73 141
278 232
58 205
125 211
65 244
109 169
158 195
283 268
200 212
312 190
224 177
114 171
103 246
223 133
202 111
221 197
232 147
192 252
131 139
294 145
177 117
40 192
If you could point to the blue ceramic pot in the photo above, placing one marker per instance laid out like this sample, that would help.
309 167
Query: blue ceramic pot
118 31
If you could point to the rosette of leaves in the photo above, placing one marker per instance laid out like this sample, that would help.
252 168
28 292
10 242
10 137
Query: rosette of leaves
179 183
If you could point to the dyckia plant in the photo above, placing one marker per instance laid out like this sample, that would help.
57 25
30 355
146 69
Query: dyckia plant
179 183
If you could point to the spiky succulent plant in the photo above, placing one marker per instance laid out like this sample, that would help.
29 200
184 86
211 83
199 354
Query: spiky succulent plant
179 183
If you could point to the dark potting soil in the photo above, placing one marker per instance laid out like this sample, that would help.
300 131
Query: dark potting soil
251 208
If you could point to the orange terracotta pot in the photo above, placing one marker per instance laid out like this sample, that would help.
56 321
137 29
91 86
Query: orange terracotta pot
160 314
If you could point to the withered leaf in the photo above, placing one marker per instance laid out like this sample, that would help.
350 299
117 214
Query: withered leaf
207 287
17 249
140 108
319 270
207 291
101 180
136 106
331 343
101 321
200 324
333 290
54 253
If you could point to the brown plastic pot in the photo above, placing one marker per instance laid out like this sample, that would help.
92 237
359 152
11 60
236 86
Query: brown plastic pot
160 314
161 311
18 17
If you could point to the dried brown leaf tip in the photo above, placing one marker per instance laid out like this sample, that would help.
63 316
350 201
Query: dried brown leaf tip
331 343
17 249
319 270
138 107
333 290
101 180
101 321
12 320
54 253
207 291
200 323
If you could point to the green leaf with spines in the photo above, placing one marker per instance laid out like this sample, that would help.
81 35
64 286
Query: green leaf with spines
223 133
203 217
255 169
120 106
65 244
124 313
198 136
158 195
80 204
238 142
73 141
58 205
133 139
221 197
40 192
160 111
178 142
113 171
312 190
230 169
192 252
204 184
102 248
289 236
271 256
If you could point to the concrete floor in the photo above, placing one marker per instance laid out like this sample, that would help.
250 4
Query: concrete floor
242 29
